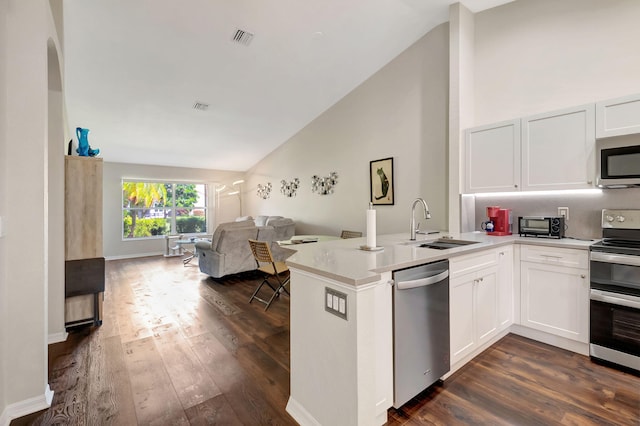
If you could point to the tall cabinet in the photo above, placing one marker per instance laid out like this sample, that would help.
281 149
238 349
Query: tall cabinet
84 261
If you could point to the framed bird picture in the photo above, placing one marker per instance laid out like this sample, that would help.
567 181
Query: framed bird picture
381 180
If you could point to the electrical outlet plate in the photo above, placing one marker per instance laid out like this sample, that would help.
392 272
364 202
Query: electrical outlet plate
335 302
564 211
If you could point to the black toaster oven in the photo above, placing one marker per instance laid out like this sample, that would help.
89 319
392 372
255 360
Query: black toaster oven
541 226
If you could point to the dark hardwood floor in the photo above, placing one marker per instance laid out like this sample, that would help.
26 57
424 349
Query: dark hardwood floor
179 348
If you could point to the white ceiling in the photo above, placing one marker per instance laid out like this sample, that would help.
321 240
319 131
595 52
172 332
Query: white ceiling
134 69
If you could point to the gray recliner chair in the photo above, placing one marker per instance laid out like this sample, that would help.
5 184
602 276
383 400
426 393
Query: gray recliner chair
228 252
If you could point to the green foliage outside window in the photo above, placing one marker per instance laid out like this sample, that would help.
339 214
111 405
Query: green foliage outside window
149 209
191 224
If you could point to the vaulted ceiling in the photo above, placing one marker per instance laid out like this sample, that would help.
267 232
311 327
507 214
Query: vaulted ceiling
135 69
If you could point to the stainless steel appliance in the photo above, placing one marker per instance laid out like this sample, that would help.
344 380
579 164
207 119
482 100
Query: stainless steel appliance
618 162
541 226
615 290
420 329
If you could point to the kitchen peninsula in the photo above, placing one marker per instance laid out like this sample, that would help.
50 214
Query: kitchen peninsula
341 362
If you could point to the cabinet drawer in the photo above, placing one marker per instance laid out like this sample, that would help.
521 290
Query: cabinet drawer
571 258
468 263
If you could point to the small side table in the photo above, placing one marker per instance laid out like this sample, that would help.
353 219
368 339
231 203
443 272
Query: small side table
190 253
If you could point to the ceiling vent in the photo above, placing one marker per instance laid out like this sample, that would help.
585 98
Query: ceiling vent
243 37
200 106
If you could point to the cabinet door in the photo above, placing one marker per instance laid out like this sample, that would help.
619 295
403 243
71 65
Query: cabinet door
555 299
617 117
505 287
461 316
492 156
486 301
558 150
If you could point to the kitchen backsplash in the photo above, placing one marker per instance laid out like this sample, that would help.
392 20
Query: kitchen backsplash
584 208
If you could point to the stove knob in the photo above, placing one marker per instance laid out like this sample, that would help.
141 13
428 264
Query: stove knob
609 218
620 218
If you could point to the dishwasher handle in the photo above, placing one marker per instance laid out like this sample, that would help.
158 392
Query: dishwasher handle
434 279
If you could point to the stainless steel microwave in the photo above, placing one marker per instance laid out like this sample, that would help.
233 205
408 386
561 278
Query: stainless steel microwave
618 162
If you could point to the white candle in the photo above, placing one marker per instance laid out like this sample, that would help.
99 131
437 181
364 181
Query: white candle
371 227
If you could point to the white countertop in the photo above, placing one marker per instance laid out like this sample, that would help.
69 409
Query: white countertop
343 261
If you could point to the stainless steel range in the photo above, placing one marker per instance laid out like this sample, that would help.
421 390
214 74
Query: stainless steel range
615 290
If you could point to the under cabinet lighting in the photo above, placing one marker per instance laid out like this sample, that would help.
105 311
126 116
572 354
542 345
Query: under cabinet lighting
594 191
233 192
220 189
238 182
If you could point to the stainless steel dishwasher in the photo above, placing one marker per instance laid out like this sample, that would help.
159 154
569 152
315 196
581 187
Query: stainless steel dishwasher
420 329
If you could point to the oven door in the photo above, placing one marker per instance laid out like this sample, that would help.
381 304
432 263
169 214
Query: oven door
615 308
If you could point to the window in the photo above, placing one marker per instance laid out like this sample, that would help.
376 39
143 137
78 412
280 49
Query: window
151 209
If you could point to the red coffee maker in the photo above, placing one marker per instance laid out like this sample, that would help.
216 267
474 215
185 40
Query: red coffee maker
501 219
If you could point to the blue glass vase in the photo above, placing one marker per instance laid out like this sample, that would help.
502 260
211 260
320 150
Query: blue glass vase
84 150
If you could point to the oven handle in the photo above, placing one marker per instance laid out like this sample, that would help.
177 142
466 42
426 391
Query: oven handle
615 298
615 258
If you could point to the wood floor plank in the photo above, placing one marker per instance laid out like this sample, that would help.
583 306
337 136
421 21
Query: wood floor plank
215 411
248 401
154 397
190 380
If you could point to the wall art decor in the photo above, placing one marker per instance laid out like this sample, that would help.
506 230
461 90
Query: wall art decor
381 180
324 185
289 189
264 191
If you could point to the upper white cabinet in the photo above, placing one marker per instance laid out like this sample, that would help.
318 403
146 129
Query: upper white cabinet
558 150
554 150
493 158
617 117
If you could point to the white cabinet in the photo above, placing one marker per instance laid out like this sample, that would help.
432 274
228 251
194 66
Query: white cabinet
481 299
549 151
505 287
617 117
558 150
473 301
555 291
493 157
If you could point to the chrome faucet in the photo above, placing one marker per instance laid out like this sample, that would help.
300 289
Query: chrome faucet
427 215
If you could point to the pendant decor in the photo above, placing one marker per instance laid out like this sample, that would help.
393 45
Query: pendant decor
289 189
324 185
264 191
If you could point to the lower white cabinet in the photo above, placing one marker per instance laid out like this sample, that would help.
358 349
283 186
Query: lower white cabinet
555 297
474 316
481 298
505 287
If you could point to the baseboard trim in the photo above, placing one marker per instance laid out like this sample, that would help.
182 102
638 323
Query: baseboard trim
134 256
299 414
27 406
550 339
57 337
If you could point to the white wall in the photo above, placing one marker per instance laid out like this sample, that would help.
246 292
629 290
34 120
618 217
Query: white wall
400 112
55 191
29 26
114 173
4 177
461 91
537 56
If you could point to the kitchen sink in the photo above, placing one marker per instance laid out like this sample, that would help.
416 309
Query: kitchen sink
445 243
